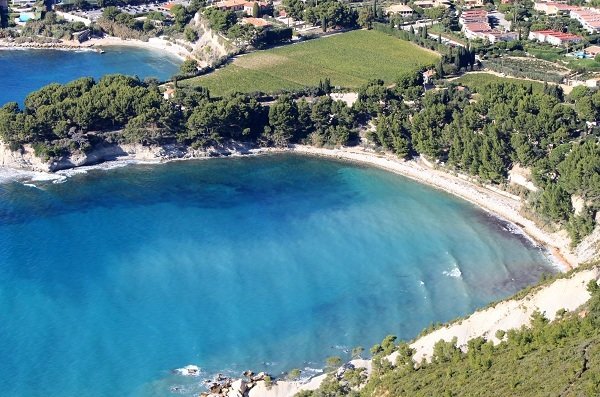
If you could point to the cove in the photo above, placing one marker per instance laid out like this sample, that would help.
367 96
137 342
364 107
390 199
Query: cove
110 280
24 71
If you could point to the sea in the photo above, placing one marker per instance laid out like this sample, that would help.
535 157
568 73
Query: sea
113 278
25 70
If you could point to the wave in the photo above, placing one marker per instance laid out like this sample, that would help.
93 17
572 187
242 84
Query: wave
454 272
8 175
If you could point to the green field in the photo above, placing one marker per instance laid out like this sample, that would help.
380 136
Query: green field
348 60
479 80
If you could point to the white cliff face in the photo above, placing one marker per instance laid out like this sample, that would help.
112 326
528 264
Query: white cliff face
24 159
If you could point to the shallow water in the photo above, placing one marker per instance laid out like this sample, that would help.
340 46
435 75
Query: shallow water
110 280
24 71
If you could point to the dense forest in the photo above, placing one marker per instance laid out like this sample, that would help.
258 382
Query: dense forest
561 358
481 133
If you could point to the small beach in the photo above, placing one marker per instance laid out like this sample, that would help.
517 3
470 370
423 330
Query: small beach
154 43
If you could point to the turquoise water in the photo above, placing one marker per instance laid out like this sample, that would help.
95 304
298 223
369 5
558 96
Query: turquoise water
24 71
112 279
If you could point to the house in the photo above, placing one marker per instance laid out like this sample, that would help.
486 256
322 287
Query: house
551 8
399 9
428 76
231 5
239 5
473 16
475 25
472 3
431 3
257 22
589 19
554 37
169 93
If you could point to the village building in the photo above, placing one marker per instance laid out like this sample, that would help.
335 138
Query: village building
432 3
589 19
239 5
475 25
551 8
399 9
472 3
554 37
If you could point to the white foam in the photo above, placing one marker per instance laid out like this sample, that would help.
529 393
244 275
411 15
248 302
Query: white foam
189 370
15 175
454 272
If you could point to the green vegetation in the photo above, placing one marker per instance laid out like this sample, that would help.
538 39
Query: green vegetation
348 60
477 81
536 69
558 358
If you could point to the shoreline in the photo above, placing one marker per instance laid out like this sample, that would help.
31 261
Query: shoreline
153 44
496 202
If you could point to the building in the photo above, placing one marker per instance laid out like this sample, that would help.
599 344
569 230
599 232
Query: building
475 25
239 5
589 19
554 37
432 3
472 3
473 16
399 9
169 93
551 8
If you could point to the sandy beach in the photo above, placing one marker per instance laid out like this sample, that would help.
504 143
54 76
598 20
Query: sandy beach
155 44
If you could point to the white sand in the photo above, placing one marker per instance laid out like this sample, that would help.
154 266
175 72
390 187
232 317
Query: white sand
153 43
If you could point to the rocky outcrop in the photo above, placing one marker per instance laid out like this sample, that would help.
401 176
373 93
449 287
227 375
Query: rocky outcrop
25 158
210 47
223 386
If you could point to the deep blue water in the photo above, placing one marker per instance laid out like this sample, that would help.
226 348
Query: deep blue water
24 71
110 280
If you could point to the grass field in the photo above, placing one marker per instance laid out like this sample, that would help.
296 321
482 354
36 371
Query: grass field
478 80
348 60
